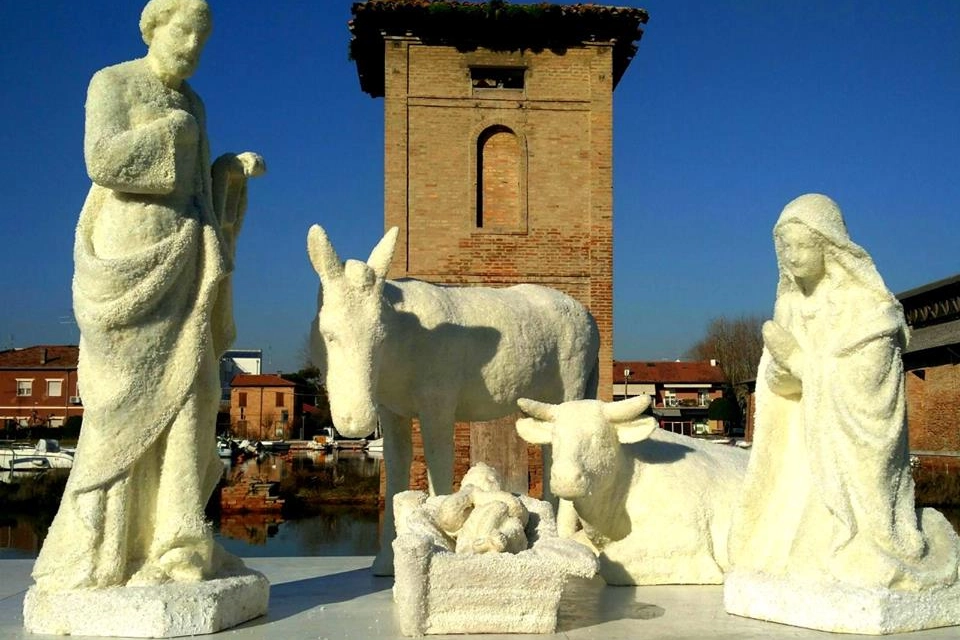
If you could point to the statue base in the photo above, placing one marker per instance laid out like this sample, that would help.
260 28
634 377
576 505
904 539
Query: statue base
838 607
156 611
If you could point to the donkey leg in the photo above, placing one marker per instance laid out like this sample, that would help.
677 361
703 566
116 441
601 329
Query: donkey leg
437 430
397 456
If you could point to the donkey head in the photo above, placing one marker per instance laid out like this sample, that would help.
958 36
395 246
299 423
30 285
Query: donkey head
350 323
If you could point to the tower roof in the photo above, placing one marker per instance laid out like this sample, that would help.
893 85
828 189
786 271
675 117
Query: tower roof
494 25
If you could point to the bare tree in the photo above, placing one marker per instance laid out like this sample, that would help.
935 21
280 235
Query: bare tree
737 344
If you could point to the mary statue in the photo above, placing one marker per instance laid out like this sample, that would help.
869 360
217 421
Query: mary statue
829 495
151 288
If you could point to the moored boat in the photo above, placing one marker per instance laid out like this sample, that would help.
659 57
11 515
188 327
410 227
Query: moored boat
46 454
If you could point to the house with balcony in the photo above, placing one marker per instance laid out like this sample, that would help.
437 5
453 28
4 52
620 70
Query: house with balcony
38 386
681 391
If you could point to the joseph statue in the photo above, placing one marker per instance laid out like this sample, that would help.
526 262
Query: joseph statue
153 257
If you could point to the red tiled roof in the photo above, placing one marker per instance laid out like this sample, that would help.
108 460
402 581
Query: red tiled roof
669 372
467 25
40 357
266 380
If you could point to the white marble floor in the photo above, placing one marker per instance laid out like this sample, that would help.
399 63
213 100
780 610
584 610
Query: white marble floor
333 598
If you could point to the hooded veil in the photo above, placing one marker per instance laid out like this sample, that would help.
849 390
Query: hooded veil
828 490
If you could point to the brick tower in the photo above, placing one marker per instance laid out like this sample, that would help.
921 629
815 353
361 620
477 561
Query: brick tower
498 141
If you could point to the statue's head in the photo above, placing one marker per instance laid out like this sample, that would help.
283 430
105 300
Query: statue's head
813 245
175 32
801 252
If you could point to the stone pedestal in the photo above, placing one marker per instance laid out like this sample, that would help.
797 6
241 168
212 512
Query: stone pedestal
838 607
158 611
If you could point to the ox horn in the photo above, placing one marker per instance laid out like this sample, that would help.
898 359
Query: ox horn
625 410
322 254
539 410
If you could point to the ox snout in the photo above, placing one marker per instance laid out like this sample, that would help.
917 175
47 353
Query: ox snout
568 483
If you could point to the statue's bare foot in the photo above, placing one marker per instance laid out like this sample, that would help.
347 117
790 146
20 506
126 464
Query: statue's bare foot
183 564
180 564
149 574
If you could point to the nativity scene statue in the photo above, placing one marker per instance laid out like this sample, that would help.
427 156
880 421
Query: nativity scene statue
153 256
826 534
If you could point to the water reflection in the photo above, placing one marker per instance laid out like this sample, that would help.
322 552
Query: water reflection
337 531
20 536
261 529
327 530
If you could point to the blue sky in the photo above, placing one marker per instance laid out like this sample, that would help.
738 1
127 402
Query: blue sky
729 110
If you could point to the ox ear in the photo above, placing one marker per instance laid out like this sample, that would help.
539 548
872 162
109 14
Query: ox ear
322 255
535 431
382 254
625 410
636 430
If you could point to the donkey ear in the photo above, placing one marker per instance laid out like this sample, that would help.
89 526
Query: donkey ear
322 255
382 254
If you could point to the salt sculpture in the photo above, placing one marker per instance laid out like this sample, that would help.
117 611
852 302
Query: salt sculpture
130 552
439 591
398 349
826 535
483 518
656 506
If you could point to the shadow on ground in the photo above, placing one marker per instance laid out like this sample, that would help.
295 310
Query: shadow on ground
587 603
291 598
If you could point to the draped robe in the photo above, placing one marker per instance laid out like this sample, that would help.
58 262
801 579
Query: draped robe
829 492
152 299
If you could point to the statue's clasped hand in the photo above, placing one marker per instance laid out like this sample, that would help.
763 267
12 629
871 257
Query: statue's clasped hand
783 347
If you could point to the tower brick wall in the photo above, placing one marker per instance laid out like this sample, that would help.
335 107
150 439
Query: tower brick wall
562 120
498 144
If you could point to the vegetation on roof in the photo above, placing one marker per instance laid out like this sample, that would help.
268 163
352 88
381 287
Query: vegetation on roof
495 25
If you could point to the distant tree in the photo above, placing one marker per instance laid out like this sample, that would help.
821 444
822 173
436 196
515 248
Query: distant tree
737 344
305 354
71 427
310 390
722 409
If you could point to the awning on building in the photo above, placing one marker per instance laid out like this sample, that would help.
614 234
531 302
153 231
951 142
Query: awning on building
667 413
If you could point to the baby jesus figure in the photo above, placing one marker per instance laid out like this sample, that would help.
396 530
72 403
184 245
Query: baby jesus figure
483 518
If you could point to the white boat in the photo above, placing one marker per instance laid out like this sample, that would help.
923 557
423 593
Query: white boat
46 454
375 446
226 448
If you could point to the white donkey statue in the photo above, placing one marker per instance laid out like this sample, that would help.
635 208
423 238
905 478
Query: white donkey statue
399 349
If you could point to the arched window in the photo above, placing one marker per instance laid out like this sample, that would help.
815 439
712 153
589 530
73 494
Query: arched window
499 178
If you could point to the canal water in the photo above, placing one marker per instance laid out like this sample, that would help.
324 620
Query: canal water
329 530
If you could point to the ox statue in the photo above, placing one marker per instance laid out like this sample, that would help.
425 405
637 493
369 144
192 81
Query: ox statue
398 349
655 506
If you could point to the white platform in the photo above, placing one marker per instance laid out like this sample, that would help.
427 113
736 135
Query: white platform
157 611
840 608
336 598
